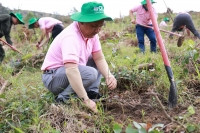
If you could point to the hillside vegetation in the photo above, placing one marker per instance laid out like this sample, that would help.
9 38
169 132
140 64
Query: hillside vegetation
138 105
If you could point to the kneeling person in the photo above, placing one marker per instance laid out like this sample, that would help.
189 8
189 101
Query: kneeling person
70 63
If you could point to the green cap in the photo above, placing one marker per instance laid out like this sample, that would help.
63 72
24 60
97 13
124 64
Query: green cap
91 12
145 2
165 19
18 16
31 22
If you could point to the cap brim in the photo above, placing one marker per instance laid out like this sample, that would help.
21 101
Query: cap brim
90 18
21 21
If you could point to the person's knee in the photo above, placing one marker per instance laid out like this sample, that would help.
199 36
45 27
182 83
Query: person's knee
92 74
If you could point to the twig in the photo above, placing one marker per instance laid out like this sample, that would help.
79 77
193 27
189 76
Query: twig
161 105
3 87
163 108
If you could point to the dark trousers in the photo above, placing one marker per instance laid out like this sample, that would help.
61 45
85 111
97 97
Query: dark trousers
56 30
141 31
2 53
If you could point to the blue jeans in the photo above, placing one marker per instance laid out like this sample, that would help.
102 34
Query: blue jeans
141 31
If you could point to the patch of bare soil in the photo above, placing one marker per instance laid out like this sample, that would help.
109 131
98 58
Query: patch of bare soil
142 107
126 106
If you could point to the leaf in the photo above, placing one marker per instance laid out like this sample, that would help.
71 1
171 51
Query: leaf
17 130
191 128
137 125
155 131
156 126
142 130
27 56
191 110
196 56
129 129
148 126
117 128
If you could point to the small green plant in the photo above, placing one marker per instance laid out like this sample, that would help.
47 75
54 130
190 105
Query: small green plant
185 121
143 114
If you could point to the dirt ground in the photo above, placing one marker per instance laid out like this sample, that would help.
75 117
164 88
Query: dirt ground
130 105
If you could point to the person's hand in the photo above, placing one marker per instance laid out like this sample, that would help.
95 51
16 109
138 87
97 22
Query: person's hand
133 21
91 105
111 82
38 45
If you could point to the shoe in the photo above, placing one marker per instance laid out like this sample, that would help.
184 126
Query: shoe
94 95
62 100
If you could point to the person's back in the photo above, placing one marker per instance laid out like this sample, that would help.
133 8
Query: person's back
184 20
164 22
5 24
47 25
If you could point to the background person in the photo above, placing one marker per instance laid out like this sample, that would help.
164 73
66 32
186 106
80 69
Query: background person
182 21
143 18
47 25
164 22
6 22
70 63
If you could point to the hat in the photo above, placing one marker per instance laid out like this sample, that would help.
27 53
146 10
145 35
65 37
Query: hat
145 2
91 12
18 16
31 22
165 19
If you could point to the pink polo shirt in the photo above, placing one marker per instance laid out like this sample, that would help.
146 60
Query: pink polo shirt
142 16
70 46
48 23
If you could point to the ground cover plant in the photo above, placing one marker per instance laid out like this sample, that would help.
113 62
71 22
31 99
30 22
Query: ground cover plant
138 105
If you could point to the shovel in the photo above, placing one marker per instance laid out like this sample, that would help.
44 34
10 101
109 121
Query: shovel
14 49
180 37
172 99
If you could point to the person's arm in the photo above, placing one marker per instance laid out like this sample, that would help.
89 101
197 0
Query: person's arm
76 83
132 17
175 27
40 42
6 20
8 39
102 66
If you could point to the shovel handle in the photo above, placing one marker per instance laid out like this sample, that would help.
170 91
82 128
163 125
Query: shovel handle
162 30
14 49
